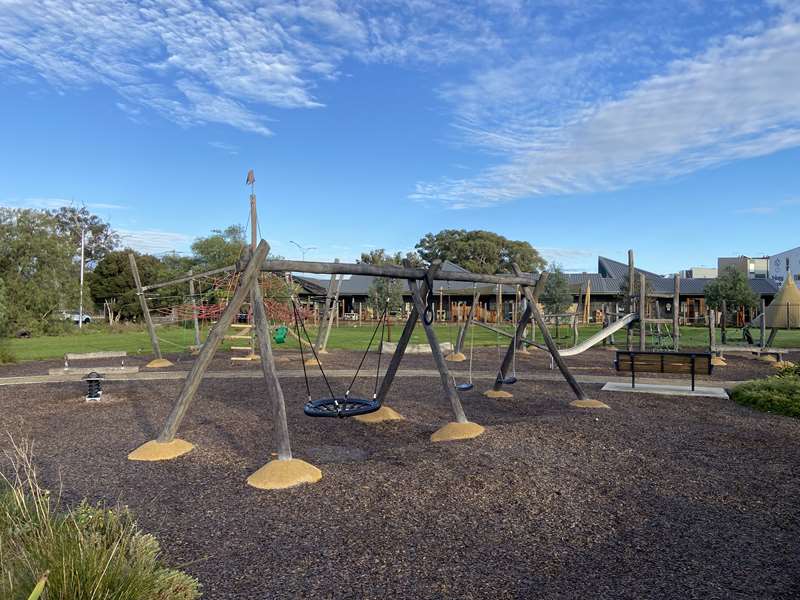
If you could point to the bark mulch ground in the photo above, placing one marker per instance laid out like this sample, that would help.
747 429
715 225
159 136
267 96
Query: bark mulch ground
659 497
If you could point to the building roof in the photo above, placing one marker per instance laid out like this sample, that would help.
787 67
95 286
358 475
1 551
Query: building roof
612 268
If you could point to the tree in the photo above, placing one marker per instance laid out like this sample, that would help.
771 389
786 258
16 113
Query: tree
732 287
556 295
479 251
100 239
112 281
222 248
384 289
3 309
36 265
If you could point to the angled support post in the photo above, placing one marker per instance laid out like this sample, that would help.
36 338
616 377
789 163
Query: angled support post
167 446
460 428
582 400
676 315
286 471
458 352
642 313
194 313
517 340
158 361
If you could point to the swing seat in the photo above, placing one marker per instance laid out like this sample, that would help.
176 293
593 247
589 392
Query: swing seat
280 334
340 407
464 387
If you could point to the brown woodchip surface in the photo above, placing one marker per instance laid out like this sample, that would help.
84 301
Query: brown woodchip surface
659 497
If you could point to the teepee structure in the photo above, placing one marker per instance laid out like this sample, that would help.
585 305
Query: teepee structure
784 311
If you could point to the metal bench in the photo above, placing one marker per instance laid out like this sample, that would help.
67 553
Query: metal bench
635 361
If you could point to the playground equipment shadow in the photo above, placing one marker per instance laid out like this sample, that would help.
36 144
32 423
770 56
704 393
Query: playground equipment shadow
657 497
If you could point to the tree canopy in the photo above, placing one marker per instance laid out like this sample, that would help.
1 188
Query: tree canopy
99 240
220 249
556 297
732 287
37 267
385 289
479 251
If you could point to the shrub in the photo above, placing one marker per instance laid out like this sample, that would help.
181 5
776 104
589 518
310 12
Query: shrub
779 394
788 370
6 356
90 551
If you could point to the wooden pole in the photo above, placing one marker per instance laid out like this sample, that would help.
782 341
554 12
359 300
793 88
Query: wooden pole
463 330
143 304
438 357
763 326
712 332
512 347
253 243
332 314
274 391
214 339
548 340
676 317
194 314
642 313
327 309
405 337
631 275
723 328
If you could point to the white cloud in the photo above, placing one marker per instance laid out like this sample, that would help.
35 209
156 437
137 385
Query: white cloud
226 62
231 149
738 99
56 203
154 241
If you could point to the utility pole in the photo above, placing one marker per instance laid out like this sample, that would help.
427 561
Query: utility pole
83 246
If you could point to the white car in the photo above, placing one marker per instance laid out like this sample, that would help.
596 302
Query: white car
75 317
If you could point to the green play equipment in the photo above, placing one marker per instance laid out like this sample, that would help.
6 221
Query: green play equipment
280 334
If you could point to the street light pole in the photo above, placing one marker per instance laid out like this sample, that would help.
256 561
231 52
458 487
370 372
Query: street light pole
80 308
303 249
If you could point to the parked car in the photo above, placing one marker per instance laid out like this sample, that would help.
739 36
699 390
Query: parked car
75 316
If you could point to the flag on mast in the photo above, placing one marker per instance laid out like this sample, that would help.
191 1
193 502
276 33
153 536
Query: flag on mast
251 177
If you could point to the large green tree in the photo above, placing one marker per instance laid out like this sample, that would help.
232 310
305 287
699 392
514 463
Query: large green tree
220 249
112 282
732 287
37 267
99 238
479 251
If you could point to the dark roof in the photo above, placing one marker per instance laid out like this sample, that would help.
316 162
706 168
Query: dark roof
612 268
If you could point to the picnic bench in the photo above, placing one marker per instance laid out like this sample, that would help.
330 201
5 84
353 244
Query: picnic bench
82 356
636 361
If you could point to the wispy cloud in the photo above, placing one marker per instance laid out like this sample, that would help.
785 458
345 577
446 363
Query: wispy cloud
231 149
739 98
154 241
768 209
56 203
230 61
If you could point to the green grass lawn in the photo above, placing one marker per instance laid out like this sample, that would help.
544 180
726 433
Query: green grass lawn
347 337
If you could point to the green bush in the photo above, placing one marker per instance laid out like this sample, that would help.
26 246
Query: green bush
779 394
788 371
6 356
90 551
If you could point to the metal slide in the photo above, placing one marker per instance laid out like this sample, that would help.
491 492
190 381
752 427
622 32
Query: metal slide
600 335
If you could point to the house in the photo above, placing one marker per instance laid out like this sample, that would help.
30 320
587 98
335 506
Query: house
452 298
784 262
753 268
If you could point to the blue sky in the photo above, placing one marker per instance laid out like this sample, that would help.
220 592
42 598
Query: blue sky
585 128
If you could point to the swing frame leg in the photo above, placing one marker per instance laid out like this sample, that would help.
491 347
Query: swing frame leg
460 428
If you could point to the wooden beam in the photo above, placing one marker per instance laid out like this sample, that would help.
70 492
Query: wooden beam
438 357
188 277
143 304
391 271
551 345
213 341
280 428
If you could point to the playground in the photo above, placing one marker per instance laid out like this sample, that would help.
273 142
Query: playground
657 497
